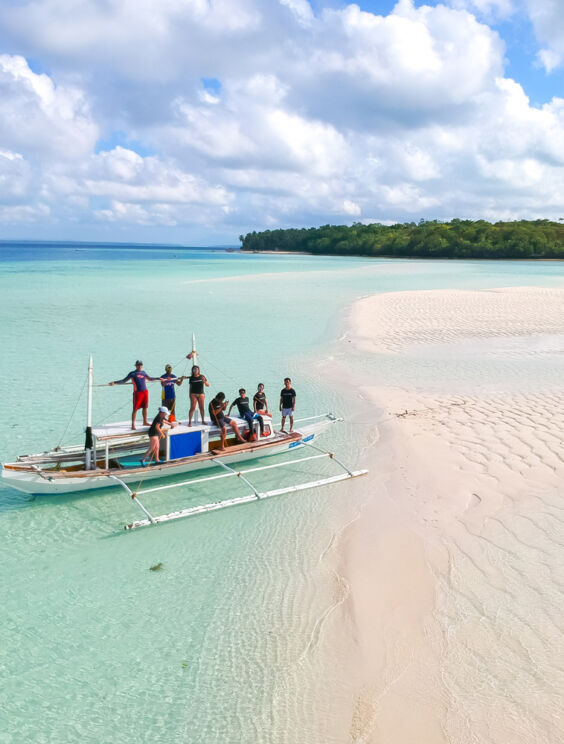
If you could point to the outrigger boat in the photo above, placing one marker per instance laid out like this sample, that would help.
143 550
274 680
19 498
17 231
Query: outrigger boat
112 455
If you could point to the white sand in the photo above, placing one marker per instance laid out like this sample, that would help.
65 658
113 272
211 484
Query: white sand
457 568
391 322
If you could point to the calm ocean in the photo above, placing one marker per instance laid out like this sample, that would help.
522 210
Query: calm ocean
238 637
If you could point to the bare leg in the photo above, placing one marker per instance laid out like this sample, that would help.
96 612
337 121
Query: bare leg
291 424
153 450
236 430
201 405
133 419
283 422
145 422
192 409
223 433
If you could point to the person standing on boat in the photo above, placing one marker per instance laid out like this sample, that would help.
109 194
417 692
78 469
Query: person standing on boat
156 433
139 378
260 404
242 403
169 382
287 403
217 415
197 381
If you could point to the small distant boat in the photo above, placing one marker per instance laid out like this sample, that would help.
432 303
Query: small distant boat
112 455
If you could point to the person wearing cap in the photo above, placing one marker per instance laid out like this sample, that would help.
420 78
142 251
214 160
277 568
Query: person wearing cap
169 381
155 433
139 379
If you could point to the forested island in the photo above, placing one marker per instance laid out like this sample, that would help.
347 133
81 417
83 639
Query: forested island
425 239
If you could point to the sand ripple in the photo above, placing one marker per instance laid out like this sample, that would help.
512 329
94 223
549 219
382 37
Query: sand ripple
478 479
393 321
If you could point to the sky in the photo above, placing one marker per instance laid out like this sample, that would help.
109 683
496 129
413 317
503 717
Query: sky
195 121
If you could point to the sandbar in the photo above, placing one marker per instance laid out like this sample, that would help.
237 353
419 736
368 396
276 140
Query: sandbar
455 563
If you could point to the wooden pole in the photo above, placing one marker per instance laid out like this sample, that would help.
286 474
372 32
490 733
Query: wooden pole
88 442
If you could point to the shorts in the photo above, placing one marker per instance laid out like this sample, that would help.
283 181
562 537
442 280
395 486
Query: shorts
140 399
287 412
223 421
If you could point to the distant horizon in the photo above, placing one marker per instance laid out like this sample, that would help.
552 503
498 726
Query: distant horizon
237 245
31 241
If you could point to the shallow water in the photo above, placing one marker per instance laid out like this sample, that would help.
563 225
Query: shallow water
238 636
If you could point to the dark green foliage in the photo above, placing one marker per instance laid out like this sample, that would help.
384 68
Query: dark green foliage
433 239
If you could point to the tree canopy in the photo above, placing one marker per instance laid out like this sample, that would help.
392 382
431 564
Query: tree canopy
425 239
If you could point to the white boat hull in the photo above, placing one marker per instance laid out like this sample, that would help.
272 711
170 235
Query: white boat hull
41 482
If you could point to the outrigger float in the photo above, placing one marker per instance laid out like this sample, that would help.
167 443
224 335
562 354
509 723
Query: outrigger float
113 453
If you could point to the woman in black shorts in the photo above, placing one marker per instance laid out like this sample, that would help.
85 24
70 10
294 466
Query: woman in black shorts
197 382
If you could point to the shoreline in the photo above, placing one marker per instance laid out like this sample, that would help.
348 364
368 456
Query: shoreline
279 253
462 477
397 258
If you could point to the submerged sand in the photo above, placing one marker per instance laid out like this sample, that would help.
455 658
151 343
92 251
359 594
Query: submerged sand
455 565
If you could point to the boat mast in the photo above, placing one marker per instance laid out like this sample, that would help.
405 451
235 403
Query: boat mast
88 443
195 363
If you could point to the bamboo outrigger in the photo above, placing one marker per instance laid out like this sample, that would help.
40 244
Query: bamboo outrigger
112 455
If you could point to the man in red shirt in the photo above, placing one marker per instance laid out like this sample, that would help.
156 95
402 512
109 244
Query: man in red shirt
139 379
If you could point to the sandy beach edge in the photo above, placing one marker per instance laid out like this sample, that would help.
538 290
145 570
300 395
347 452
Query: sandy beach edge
424 485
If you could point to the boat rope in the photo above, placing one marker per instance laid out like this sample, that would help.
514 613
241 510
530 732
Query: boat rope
221 372
113 413
149 462
124 405
63 435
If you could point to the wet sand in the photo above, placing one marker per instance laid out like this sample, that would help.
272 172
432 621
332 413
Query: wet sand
454 566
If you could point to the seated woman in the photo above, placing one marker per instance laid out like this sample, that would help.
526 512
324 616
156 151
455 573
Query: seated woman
218 417
260 403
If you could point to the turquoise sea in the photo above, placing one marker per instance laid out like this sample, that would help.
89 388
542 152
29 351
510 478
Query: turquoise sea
240 636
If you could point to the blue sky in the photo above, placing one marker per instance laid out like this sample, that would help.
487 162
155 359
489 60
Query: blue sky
194 121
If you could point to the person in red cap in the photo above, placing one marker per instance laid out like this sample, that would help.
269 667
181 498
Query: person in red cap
139 379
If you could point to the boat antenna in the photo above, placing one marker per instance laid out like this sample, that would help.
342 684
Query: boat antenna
88 444
194 352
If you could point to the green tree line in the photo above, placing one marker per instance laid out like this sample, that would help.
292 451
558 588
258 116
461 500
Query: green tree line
425 239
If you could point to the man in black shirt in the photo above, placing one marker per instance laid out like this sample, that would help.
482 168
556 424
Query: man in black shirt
217 414
243 405
287 403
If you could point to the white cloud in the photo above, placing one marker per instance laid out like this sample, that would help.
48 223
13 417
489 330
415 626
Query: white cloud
36 116
26 214
349 207
301 9
548 22
486 8
15 175
264 113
